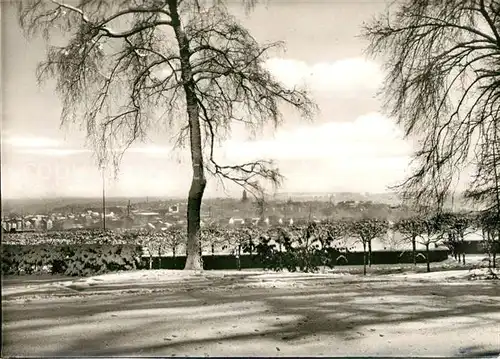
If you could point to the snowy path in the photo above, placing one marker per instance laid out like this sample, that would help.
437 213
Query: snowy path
226 313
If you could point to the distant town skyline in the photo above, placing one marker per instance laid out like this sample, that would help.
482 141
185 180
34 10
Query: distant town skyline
351 146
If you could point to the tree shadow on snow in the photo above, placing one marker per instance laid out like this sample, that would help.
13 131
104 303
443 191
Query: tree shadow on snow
182 317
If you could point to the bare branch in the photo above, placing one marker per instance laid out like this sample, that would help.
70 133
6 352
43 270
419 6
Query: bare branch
442 84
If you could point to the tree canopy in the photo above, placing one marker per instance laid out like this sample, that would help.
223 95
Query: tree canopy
189 67
442 86
119 75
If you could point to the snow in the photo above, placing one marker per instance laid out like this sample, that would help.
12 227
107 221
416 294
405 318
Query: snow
446 275
253 313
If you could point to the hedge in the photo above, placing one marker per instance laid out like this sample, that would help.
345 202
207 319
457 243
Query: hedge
72 260
88 259
247 261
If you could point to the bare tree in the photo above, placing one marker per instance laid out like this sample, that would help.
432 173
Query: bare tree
490 226
486 186
433 234
486 190
131 67
366 230
455 226
411 228
442 84
212 236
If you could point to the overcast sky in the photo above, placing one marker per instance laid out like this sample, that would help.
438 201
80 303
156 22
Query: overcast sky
351 145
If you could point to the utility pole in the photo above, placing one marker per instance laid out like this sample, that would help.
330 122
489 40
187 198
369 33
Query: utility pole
103 201
128 209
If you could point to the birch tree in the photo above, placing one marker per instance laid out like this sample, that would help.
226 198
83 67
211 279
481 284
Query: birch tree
442 86
127 68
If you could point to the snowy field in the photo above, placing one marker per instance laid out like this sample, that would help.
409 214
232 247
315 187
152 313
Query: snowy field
252 313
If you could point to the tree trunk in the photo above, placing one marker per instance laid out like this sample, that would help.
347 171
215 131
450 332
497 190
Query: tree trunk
495 247
194 259
369 253
454 249
364 258
174 256
414 250
427 257
462 248
212 246
239 259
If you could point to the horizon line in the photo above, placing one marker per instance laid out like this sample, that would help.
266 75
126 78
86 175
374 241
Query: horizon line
182 197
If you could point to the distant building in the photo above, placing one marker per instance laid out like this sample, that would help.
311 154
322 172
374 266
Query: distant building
37 222
6 226
236 221
47 224
119 210
147 214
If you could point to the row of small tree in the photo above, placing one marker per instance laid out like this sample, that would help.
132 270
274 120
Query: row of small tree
449 229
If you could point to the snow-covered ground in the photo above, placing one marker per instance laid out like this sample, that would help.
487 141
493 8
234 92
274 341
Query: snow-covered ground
253 313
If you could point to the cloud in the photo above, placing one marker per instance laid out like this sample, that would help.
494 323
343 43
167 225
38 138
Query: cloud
31 142
369 136
347 76
43 146
150 150
366 154
154 151
52 152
